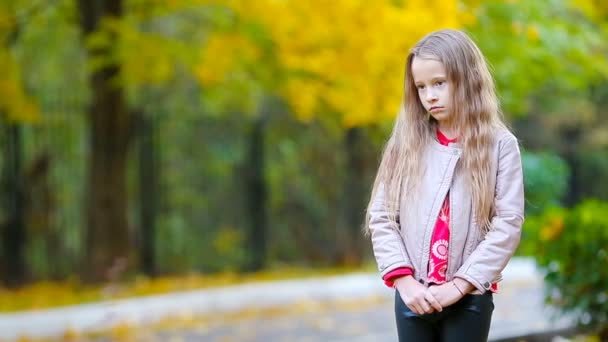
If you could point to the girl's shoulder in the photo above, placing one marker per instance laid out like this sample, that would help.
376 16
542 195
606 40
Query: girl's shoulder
504 136
505 144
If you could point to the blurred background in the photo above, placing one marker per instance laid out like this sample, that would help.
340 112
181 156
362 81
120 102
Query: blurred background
149 139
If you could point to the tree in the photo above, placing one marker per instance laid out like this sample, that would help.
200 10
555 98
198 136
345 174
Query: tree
152 43
108 244
18 108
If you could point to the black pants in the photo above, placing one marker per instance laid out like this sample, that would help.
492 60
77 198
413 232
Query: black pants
466 320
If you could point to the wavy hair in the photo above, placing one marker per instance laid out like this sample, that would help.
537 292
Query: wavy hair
475 117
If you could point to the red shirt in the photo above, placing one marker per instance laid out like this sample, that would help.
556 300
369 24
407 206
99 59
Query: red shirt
440 243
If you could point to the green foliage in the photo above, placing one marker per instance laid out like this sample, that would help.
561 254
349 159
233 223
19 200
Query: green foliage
228 245
593 166
573 248
536 44
545 180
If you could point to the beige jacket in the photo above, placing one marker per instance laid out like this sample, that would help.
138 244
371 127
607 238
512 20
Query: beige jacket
473 255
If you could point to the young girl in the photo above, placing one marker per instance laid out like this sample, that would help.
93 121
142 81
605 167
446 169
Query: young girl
447 204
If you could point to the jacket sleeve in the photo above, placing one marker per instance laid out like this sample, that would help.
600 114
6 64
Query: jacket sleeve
492 254
387 243
390 277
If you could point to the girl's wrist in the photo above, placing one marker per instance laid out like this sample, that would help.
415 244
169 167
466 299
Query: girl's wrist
402 279
464 286
457 288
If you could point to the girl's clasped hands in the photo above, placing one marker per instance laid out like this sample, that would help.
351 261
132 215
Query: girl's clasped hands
426 300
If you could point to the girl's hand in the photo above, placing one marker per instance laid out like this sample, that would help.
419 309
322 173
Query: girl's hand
447 293
416 296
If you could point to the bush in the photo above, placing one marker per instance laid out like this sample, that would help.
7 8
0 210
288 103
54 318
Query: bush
538 229
592 166
545 180
573 249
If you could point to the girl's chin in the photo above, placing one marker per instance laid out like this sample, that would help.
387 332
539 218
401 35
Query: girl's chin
440 116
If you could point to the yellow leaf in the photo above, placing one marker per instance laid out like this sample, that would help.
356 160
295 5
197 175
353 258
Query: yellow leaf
553 229
71 335
532 33
14 101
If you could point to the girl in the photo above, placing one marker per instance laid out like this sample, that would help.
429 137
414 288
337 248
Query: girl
447 204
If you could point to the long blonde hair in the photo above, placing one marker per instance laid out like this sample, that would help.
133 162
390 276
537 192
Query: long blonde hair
475 115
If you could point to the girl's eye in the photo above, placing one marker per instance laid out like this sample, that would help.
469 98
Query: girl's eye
420 87
439 83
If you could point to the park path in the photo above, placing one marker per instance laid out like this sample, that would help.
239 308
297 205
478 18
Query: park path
353 307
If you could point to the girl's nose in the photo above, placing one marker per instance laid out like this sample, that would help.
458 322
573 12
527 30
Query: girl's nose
430 96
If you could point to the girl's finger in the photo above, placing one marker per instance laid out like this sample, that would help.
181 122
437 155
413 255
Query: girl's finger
416 309
425 306
434 302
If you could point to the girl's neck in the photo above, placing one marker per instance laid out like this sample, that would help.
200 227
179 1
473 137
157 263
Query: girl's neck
448 131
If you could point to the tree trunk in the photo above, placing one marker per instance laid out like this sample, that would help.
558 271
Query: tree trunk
256 196
108 247
14 235
350 241
13 266
148 192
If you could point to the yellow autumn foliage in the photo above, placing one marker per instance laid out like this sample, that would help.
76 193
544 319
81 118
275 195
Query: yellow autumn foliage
594 9
228 49
532 33
145 57
345 56
553 229
14 102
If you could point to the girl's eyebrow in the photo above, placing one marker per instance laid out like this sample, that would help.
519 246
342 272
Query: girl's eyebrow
432 79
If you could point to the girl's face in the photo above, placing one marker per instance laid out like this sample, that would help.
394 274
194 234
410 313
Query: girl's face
431 81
